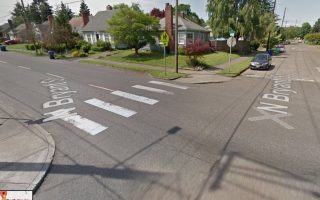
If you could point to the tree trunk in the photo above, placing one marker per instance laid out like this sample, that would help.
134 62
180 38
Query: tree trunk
136 51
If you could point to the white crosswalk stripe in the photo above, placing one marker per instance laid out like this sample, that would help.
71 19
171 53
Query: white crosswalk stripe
150 89
85 124
134 97
111 108
169 85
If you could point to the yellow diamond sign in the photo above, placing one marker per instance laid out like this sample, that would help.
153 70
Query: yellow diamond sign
164 38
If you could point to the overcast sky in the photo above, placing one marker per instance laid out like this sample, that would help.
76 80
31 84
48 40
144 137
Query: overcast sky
298 11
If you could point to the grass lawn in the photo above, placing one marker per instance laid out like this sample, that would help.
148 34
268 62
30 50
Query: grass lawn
153 72
21 48
156 59
236 69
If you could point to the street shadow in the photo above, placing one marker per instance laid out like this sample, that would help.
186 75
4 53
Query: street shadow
233 169
127 173
38 121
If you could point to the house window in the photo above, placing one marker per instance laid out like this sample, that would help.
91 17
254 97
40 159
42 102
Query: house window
182 38
89 38
106 37
190 38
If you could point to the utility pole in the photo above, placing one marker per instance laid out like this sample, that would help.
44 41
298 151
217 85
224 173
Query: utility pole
284 15
176 36
274 8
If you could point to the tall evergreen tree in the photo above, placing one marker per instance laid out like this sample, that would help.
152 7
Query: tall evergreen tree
39 10
84 8
63 15
316 27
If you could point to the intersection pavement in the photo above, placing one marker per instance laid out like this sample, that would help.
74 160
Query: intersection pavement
124 135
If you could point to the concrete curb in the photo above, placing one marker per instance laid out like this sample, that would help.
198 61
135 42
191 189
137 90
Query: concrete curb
48 152
48 160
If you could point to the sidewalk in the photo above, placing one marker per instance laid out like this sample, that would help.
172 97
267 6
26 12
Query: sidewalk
26 151
195 77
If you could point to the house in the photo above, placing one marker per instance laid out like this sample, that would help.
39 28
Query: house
6 32
188 31
78 23
96 28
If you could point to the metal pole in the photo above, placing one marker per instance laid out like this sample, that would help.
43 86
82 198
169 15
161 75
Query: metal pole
230 53
284 15
176 36
165 62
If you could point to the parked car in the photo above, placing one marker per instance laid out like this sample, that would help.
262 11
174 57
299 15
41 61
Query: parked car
281 48
261 61
9 42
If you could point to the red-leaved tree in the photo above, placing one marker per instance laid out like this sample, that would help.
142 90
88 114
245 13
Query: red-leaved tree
156 12
196 50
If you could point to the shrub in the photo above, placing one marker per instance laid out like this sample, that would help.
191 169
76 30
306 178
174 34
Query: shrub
82 54
86 48
182 51
27 46
96 48
195 51
312 38
103 46
254 45
75 54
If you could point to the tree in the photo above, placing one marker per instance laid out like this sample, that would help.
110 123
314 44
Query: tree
134 6
133 28
250 19
63 15
156 12
305 29
84 8
291 32
316 27
192 16
38 11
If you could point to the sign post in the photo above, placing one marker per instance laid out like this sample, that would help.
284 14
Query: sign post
165 41
231 43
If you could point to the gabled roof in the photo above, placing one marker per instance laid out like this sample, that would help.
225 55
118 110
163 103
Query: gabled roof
99 21
5 28
77 23
184 25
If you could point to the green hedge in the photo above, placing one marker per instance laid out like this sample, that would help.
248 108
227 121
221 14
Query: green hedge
312 38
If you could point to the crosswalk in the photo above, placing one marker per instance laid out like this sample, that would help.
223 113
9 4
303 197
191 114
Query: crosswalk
93 128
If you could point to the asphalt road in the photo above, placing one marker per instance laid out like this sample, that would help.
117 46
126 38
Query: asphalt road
242 139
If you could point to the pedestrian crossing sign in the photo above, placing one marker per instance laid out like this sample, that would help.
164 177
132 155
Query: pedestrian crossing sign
164 38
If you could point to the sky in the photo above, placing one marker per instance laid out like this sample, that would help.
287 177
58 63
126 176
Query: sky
298 11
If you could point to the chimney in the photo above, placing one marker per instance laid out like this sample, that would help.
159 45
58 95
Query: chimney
50 22
85 18
109 7
169 24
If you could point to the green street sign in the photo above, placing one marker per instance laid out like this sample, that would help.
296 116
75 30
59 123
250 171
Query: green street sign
164 38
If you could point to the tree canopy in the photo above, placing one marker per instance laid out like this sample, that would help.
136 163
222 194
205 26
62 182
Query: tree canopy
156 12
36 12
305 29
250 19
84 8
316 27
133 28
192 16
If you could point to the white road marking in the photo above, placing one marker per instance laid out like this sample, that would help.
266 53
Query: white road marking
112 108
24 67
57 76
300 79
135 97
3 62
84 124
103 88
168 84
150 89
318 68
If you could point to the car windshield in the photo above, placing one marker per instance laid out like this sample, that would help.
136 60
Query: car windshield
261 57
